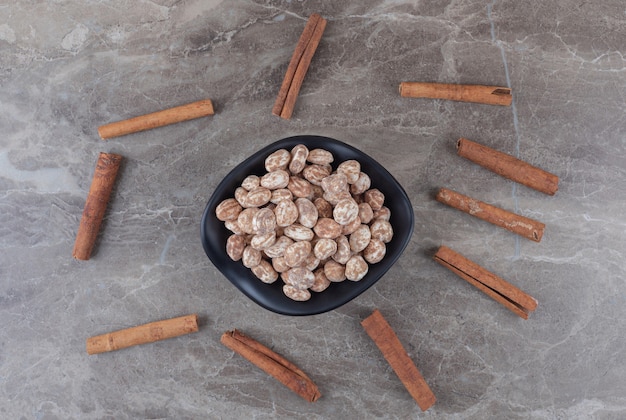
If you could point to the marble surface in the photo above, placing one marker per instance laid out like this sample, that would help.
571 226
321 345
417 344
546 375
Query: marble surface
67 67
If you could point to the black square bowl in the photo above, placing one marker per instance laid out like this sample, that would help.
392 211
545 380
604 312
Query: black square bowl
270 296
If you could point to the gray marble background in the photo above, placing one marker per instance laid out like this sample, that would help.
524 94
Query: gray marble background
67 67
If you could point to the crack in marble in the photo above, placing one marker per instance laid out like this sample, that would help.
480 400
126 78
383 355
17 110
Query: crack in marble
516 127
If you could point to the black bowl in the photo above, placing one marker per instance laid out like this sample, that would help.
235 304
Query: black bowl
270 296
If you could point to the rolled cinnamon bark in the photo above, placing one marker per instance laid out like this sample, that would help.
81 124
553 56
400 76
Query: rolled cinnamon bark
142 334
498 289
390 346
298 52
490 95
157 119
521 225
96 204
298 66
272 363
508 166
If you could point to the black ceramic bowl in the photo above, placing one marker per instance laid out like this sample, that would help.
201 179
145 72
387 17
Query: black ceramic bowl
270 296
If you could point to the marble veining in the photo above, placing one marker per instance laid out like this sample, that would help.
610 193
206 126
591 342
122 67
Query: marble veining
68 67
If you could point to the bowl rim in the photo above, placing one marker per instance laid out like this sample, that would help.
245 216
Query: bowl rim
261 293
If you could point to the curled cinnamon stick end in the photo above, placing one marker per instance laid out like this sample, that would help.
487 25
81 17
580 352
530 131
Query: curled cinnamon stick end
490 95
96 204
298 66
142 334
272 363
524 226
387 341
498 289
508 166
157 119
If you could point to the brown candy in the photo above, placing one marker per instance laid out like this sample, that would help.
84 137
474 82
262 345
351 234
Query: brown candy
296 294
241 195
346 211
298 158
250 182
334 198
351 169
315 174
286 213
335 184
382 230
296 253
278 160
264 221
327 228
235 244
384 213
374 198
311 262
299 187
375 251
325 248
245 219
316 192
360 238
234 227
299 277
361 185
280 265
334 271
307 212
265 272
281 194
298 232
275 180
258 197
324 208
366 214
251 257
356 268
279 247
343 253
351 227
228 209
321 282
320 157
263 241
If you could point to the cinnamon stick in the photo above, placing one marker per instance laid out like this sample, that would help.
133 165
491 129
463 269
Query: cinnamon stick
524 226
157 119
508 166
142 334
95 206
490 95
298 66
272 363
387 341
508 295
